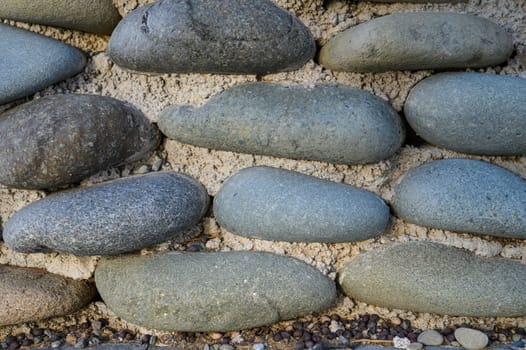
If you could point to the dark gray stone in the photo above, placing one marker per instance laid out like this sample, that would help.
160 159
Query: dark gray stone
470 112
291 121
62 139
31 62
120 216
282 205
30 295
96 16
463 195
203 292
422 40
431 277
201 36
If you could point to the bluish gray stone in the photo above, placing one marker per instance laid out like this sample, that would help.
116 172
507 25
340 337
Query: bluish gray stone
434 278
31 62
463 195
96 16
204 292
120 216
63 139
421 40
291 121
282 205
201 36
30 295
470 112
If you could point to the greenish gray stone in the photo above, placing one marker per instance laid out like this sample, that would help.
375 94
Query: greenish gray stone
430 337
413 41
95 16
202 292
470 112
201 36
463 195
31 62
63 139
115 217
471 339
291 121
434 278
30 295
282 205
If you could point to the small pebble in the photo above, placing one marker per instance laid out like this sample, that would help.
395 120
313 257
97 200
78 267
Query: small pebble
415 346
471 339
226 347
430 337
56 344
259 346
401 343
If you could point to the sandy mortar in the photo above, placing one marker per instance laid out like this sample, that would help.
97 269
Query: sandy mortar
151 93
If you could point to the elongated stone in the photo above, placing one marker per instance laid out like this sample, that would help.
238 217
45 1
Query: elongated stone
431 277
416 1
211 291
111 218
62 139
96 16
463 195
283 205
201 36
30 295
291 121
413 41
470 112
31 62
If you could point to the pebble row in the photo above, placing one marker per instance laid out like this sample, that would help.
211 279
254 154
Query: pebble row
59 140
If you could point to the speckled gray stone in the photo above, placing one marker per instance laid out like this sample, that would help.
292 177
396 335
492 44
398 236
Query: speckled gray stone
471 339
203 292
463 195
96 16
30 295
63 139
422 40
470 112
282 205
120 216
201 36
434 278
31 62
291 121
430 337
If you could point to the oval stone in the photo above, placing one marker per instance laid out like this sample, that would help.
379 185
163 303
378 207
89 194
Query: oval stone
291 121
119 216
463 195
282 205
434 278
204 292
30 295
31 62
63 139
413 41
201 36
470 112
96 16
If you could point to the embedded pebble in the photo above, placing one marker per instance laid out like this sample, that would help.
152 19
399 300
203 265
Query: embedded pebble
115 217
415 41
29 295
434 278
464 111
206 292
415 346
430 337
471 339
200 36
291 121
32 62
463 195
62 139
282 205
96 16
